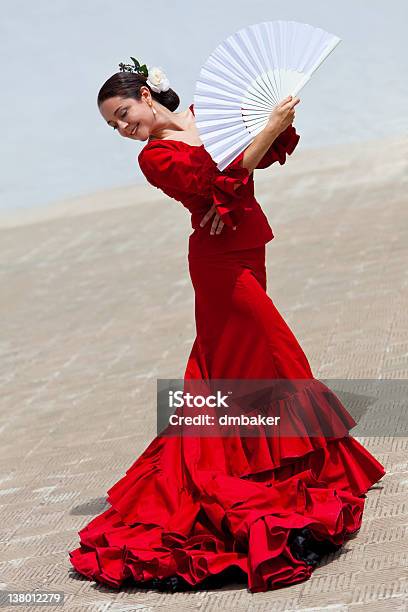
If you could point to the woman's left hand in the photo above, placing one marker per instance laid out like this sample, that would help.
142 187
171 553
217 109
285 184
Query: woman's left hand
217 223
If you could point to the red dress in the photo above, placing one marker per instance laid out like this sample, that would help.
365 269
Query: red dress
258 509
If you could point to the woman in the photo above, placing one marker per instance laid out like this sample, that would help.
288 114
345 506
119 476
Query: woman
194 511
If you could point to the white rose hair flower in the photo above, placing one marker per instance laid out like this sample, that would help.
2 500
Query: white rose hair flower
157 79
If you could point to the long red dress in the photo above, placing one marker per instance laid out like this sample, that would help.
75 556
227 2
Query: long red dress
260 509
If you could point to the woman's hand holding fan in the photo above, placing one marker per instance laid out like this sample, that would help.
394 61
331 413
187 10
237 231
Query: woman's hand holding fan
283 114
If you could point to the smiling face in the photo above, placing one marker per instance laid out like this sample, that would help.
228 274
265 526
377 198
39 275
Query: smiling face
132 118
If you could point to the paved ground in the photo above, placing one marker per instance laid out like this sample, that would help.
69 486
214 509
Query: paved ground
97 304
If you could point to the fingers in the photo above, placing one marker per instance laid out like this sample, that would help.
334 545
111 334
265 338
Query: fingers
285 101
207 216
289 102
217 225
288 99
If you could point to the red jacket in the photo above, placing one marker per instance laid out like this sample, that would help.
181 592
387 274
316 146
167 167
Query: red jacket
188 174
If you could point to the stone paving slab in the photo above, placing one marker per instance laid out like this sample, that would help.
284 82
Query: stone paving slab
97 304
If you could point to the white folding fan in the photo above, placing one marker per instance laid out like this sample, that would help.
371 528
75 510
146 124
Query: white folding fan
247 75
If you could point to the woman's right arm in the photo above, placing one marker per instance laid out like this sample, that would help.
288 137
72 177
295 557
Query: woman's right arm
281 117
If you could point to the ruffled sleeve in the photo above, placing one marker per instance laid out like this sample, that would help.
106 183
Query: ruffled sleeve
190 170
283 145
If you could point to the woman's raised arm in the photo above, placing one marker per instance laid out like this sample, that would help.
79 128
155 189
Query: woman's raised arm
280 119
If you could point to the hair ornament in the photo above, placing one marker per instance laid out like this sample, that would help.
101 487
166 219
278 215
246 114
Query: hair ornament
156 77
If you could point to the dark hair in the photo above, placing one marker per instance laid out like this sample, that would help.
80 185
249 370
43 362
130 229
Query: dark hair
128 84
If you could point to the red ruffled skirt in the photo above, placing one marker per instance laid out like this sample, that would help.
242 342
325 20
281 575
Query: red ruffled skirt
196 507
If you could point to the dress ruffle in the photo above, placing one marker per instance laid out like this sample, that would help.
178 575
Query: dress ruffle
182 510
283 145
228 188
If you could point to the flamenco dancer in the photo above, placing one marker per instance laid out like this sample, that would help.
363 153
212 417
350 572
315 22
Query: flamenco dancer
194 512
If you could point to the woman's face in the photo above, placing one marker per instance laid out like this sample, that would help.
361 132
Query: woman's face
132 118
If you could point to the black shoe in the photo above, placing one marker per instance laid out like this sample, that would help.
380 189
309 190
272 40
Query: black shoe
306 548
170 584
215 581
